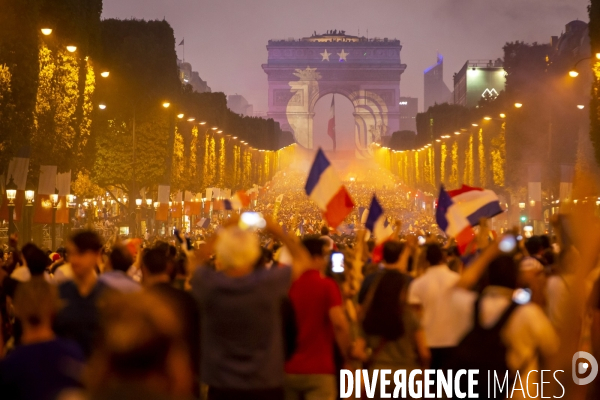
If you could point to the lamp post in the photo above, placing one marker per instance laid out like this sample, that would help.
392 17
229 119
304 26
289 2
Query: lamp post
54 199
138 216
29 196
71 208
11 194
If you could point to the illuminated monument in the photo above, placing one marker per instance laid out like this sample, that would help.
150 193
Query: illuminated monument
366 71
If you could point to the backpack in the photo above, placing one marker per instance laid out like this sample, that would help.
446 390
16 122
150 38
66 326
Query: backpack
482 349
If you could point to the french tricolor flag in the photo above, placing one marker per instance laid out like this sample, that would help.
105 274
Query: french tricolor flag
238 201
325 188
377 223
458 211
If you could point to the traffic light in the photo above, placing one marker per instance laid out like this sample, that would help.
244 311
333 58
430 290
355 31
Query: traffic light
523 218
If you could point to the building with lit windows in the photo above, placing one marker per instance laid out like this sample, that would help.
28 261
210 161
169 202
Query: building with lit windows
478 79
409 108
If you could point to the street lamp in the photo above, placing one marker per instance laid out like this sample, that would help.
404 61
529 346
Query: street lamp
502 115
104 74
518 105
70 199
573 74
71 49
54 200
11 194
180 115
149 202
29 196
46 31
138 203
102 106
166 104
581 106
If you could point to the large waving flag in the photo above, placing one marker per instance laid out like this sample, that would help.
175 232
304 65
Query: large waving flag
458 211
238 201
325 188
377 223
331 123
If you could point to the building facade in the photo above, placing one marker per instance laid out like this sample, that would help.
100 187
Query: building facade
409 108
190 77
239 105
477 80
435 89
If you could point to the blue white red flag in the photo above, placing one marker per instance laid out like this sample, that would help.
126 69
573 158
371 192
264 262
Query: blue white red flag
325 188
238 201
458 211
377 223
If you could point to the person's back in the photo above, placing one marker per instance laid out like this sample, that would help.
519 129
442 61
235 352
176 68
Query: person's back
430 293
527 334
240 310
43 365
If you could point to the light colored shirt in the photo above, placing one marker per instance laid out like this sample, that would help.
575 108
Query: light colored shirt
527 333
431 291
120 281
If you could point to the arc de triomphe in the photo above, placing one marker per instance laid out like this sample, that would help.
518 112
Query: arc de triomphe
366 71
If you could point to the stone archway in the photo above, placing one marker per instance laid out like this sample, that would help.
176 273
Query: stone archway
366 71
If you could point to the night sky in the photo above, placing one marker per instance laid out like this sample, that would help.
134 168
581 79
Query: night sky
225 39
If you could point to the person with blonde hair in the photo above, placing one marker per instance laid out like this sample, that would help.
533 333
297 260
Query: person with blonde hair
241 314
44 365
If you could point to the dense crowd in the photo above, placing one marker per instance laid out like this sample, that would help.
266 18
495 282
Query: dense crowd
275 311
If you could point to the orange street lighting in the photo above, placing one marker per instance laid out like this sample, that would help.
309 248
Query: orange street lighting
475 124
214 128
71 49
102 106
235 137
191 119
180 116
46 31
166 104
502 115
104 74
219 131
581 106
573 74
203 123
457 133
487 118
518 105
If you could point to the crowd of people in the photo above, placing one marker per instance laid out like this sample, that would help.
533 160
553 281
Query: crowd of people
275 311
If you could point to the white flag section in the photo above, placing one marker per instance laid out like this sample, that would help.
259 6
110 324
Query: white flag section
47 184
187 196
209 194
216 192
63 183
18 168
178 198
163 194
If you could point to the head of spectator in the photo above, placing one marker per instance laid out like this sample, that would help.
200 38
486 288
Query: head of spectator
36 304
434 255
119 259
141 348
84 250
534 246
503 271
237 250
36 259
324 230
391 252
155 266
317 248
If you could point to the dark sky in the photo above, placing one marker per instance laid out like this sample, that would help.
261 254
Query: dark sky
226 39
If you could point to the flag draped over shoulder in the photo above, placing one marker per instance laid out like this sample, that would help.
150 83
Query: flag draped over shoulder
325 188
458 211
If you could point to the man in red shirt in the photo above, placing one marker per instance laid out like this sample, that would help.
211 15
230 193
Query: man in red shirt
321 321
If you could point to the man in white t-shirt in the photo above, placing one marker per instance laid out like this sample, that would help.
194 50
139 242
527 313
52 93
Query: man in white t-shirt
429 294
